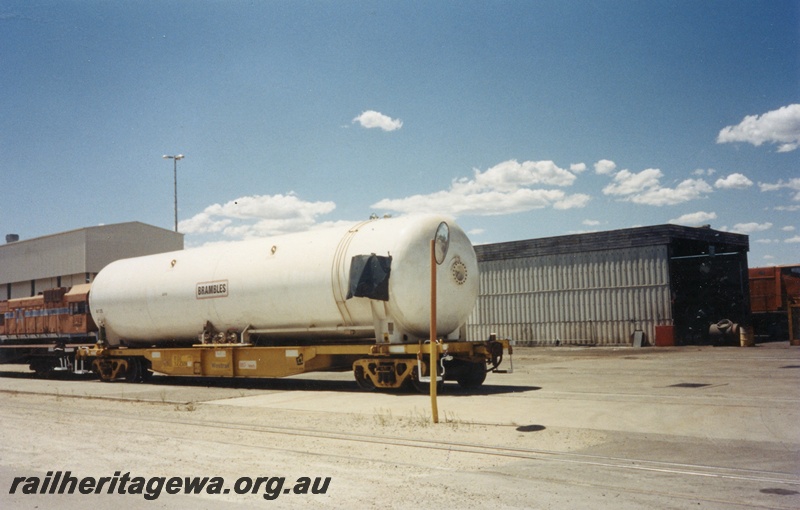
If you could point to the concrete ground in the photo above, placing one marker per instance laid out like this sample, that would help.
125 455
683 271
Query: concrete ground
683 427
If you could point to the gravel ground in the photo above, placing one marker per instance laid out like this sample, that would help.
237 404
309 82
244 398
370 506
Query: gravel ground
697 427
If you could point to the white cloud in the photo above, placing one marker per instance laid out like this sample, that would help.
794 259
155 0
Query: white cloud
749 228
577 167
506 188
203 223
510 175
690 189
795 239
781 126
371 119
645 188
788 228
590 223
792 184
269 206
629 183
575 201
604 167
257 215
487 203
696 218
733 181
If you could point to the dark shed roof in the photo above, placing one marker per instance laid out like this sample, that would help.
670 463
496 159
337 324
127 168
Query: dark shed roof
614 239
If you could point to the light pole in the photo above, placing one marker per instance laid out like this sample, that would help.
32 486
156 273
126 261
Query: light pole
175 179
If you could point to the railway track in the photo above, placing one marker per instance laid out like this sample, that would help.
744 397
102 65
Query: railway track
689 474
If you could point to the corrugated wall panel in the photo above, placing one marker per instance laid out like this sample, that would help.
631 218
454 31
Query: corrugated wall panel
593 298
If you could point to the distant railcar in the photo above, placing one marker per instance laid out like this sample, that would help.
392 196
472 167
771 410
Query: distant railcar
45 330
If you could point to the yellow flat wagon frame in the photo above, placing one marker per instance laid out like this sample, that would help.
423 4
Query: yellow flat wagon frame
374 365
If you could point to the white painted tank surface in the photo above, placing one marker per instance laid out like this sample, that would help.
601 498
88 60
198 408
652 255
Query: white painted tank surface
294 286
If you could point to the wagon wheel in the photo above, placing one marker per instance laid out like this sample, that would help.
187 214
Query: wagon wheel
363 381
43 368
137 371
423 386
473 377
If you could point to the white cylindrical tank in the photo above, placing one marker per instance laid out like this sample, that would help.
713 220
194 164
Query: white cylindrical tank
294 286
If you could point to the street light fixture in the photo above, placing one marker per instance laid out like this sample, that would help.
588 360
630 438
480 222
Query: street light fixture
175 179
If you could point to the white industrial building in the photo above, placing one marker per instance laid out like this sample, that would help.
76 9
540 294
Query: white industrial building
31 266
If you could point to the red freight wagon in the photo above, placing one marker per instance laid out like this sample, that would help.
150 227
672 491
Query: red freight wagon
774 295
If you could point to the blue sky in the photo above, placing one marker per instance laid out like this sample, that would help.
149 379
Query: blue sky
521 119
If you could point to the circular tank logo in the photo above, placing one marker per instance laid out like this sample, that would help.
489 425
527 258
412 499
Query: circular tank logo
459 271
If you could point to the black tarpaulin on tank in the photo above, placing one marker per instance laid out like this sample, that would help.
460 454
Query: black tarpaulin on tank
369 277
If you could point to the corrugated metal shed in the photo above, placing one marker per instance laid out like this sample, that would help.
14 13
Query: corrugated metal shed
593 289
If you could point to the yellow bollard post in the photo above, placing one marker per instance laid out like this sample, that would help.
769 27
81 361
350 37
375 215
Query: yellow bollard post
434 356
